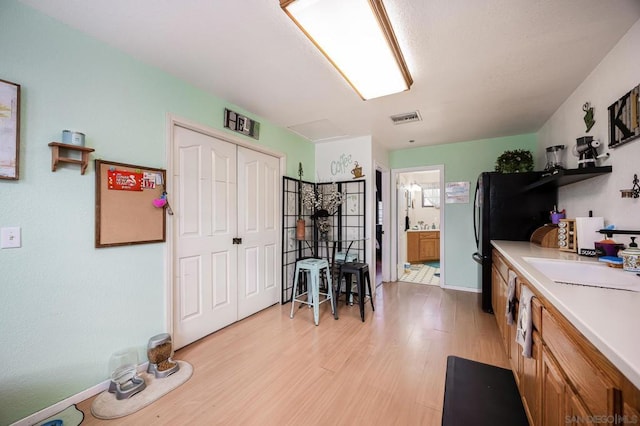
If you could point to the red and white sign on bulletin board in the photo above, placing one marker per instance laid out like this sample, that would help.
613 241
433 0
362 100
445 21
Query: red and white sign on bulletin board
123 180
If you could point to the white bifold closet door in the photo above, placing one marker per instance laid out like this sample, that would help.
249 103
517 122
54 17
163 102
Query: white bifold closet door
222 192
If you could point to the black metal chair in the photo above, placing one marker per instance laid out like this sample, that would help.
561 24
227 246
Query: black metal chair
361 272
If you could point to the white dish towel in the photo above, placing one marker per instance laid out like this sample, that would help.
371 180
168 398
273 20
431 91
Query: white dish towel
511 298
525 322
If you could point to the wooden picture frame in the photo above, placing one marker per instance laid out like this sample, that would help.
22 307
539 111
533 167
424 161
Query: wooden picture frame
624 118
126 216
9 130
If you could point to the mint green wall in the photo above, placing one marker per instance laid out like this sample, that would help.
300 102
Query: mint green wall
66 306
462 161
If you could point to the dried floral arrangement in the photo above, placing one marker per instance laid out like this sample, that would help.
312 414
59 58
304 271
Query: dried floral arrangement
324 201
324 226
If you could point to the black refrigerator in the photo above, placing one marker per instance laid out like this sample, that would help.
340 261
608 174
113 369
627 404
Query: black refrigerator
507 206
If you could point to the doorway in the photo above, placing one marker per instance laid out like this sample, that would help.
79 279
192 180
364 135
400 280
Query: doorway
382 220
225 232
379 227
419 215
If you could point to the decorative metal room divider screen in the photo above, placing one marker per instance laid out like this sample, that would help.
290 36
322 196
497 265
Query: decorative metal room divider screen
348 224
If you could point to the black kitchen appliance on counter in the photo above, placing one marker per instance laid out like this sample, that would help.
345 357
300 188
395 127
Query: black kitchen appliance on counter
507 207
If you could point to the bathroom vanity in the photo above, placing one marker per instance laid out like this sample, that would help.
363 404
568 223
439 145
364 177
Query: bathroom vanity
423 245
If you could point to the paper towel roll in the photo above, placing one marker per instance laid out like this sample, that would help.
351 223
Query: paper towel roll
587 231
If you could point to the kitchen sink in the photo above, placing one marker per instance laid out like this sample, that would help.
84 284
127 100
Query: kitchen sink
592 274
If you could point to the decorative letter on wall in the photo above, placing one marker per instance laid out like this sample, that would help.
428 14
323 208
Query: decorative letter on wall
624 118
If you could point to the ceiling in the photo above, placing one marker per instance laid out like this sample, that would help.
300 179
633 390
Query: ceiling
481 69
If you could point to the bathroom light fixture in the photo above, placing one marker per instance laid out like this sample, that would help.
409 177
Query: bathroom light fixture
357 38
414 187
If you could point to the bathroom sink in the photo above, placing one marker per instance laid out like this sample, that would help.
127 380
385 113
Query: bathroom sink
592 274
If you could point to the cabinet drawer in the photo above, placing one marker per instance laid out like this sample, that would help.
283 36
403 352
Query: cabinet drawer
430 235
592 386
501 266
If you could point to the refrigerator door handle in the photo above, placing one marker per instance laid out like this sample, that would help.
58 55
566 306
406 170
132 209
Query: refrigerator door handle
478 257
476 212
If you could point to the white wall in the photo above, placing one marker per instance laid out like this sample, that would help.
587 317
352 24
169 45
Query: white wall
334 162
618 73
380 156
67 306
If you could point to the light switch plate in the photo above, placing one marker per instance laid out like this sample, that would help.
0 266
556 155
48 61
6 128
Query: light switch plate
10 237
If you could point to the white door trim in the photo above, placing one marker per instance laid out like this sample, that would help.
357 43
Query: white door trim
399 224
174 120
386 221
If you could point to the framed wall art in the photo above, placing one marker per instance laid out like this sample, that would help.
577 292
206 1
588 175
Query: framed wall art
9 130
457 192
624 118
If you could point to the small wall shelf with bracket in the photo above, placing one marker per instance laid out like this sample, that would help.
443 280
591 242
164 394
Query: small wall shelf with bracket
56 158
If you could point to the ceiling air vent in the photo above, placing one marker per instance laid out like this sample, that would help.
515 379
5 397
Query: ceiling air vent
407 117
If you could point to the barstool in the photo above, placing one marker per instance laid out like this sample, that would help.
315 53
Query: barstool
340 258
361 271
313 267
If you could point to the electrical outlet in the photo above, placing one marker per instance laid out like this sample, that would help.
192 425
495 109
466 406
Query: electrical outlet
10 237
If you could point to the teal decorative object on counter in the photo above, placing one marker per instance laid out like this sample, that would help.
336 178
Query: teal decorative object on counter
515 161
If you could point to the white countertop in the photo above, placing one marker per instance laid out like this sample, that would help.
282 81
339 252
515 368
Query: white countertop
610 319
422 230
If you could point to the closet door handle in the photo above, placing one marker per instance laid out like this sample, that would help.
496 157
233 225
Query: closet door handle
237 241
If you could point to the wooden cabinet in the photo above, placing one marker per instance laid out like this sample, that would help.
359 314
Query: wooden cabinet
529 373
553 389
423 246
429 249
499 296
566 380
582 370
576 413
413 246
560 404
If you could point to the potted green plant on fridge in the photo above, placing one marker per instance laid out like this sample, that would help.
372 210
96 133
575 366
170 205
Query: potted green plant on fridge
515 161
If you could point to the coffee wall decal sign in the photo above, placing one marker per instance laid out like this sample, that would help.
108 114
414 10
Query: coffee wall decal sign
588 116
357 171
339 166
624 118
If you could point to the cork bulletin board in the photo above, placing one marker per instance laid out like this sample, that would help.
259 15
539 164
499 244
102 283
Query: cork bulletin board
125 213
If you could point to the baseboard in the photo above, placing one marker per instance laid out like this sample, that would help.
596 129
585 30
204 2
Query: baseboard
467 289
73 399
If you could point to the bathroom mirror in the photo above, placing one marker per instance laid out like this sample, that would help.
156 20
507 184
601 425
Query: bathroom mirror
431 195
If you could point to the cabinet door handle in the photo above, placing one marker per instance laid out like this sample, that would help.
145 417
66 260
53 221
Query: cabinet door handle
237 241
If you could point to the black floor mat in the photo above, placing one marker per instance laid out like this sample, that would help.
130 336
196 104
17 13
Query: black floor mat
480 394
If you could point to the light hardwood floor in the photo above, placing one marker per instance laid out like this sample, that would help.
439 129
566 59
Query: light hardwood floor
272 370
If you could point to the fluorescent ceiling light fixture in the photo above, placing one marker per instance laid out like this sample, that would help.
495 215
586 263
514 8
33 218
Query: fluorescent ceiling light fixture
357 38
